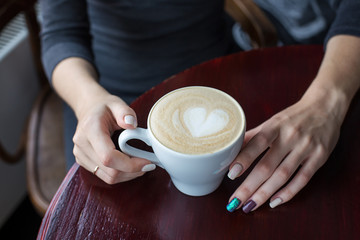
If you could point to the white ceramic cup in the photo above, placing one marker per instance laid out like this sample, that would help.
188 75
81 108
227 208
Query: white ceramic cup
192 174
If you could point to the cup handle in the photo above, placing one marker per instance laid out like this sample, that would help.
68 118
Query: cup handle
142 135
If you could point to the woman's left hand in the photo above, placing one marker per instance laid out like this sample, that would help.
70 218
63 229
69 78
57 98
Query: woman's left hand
299 137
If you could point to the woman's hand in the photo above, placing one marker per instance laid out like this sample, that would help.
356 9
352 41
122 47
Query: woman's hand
93 147
299 137
99 114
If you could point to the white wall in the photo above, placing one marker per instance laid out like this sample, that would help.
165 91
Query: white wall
18 89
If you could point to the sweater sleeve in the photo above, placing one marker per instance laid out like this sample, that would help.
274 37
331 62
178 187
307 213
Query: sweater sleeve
347 20
64 32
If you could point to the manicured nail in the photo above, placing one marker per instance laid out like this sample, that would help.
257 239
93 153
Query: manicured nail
148 168
235 171
233 204
276 202
128 119
249 206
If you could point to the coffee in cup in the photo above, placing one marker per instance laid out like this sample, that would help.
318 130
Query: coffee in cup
196 120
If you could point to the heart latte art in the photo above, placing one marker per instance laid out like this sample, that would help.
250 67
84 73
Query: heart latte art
200 123
196 120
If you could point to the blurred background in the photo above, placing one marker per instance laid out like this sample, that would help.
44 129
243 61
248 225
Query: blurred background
18 90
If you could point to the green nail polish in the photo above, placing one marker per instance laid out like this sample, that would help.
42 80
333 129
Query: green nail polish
233 204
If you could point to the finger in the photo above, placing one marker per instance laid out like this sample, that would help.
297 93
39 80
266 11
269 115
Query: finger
113 176
250 134
87 162
81 156
300 180
280 176
109 156
262 171
124 115
257 145
108 175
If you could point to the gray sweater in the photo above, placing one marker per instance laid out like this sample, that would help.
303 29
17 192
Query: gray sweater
136 44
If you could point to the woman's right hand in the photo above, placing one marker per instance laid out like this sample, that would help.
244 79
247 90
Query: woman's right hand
93 145
99 114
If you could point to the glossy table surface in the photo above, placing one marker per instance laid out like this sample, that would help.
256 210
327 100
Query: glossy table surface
263 82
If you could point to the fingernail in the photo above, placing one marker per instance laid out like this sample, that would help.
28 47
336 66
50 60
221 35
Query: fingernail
276 202
148 168
233 204
249 206
235 171
128 119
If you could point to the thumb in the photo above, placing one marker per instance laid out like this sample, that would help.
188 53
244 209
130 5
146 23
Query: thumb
125 116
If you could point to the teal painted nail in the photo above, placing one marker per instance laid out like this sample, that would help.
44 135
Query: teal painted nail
233 204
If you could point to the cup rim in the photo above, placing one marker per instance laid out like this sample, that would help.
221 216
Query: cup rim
241 132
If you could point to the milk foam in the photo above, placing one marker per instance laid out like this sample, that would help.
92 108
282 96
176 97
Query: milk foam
196 120
200 123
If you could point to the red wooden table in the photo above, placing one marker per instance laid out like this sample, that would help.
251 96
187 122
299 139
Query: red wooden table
264 82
